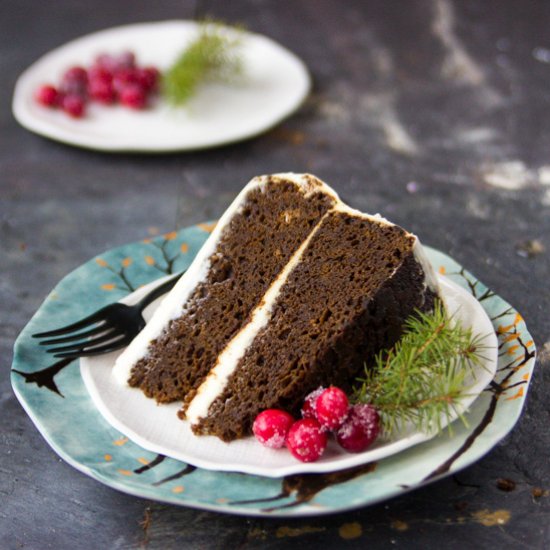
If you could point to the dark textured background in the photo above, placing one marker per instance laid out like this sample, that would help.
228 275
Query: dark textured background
435 113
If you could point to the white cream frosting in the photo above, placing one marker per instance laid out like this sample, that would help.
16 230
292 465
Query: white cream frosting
174 303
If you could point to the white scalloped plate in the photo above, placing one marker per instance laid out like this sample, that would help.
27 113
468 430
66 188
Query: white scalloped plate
158 429
274 85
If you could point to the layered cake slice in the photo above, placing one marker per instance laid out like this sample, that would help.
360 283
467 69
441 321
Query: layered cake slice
336 289
250 246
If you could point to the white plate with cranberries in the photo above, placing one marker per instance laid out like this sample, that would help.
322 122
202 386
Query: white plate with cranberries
101 92
331 435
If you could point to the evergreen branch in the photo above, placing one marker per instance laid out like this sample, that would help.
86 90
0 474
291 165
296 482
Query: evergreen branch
421 380
213 56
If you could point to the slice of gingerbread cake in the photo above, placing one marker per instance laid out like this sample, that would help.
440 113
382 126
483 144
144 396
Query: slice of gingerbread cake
335 288
251 244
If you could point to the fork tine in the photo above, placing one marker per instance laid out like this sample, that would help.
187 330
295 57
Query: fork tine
84 344
94 318
111 346
54 341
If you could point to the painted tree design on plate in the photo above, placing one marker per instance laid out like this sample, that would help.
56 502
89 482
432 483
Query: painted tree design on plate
120 279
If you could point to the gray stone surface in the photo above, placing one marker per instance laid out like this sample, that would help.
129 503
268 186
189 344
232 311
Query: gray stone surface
435 113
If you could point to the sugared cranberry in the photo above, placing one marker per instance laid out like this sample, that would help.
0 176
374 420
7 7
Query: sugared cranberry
133 96
102 91
107 62
74 81
74 105
76 74
331 408
126 60
124 77
306 440
110 79
308 408
148 78
271 427
47 95
98 72
360 429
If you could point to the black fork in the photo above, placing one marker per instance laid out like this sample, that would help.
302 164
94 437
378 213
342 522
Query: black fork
108 329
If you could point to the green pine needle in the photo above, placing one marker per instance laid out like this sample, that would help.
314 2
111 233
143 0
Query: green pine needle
213 56
422 378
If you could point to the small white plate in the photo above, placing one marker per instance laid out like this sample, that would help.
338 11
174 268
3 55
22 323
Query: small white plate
274 85
157 428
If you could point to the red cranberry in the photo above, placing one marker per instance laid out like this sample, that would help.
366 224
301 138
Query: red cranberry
308 408
74 105
74 81
332 408
271 427
47 95
98 72
111 77
116 63
102 91
123 78
306 440
60 98
360 429
76 74
133 96
106 62
126 60
148 78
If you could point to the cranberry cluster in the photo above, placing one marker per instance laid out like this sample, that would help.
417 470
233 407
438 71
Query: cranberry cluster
355 427
110 79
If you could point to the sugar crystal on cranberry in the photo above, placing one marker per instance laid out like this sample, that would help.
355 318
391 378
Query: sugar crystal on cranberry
271 427
308 408
331 408
360 429
306 440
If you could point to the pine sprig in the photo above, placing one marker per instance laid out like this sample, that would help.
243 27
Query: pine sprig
421 380
214 56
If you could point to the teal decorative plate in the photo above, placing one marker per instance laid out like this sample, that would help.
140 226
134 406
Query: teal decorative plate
54 396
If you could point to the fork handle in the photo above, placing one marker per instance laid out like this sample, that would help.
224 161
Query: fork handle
159 291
